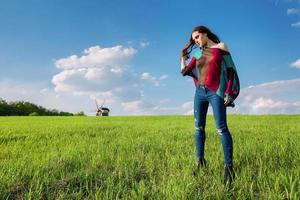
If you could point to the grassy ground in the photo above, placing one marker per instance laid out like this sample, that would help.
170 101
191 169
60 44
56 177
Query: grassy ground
146 158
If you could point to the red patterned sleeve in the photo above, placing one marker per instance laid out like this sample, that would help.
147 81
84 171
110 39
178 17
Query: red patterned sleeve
188 68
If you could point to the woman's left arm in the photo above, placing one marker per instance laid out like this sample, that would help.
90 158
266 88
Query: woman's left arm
230 74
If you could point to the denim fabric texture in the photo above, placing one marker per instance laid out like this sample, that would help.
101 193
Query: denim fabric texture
203 97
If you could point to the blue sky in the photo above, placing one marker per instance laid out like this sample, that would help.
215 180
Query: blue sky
132 53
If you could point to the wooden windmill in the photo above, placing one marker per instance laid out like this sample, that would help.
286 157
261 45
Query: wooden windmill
101 111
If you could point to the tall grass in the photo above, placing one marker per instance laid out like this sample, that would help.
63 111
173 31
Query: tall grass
149 157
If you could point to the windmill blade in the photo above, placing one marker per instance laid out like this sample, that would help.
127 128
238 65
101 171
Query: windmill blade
103 103
97 106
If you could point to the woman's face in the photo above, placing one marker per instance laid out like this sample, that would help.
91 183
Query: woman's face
199 38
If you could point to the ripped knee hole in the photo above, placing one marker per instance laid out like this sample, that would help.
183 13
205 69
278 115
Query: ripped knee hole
199 128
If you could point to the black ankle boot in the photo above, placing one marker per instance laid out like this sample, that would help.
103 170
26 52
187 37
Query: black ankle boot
201 163
229 174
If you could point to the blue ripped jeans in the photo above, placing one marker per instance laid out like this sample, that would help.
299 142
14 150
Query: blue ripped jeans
204 96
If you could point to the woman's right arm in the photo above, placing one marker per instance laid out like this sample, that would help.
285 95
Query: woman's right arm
187 69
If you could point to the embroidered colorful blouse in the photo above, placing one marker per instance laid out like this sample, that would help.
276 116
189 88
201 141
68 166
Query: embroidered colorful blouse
214 68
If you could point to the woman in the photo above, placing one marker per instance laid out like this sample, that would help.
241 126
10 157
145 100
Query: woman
217 83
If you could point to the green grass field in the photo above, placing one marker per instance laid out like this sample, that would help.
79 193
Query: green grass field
146 158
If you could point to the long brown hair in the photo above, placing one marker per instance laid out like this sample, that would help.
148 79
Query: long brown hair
188 48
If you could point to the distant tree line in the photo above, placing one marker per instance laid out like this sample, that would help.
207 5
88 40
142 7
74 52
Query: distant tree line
23 108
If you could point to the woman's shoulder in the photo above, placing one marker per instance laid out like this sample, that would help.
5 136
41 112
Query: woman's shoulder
223 46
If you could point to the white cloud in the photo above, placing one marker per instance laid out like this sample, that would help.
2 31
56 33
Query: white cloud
144 44
188 105
293 11
44 91
296 64
265 103
139 107
99 73
296 25
155 80
270 106
104 73
95 80
97 57
188 108
277 97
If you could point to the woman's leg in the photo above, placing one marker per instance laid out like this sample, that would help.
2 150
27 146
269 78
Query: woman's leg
219 111
200 111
